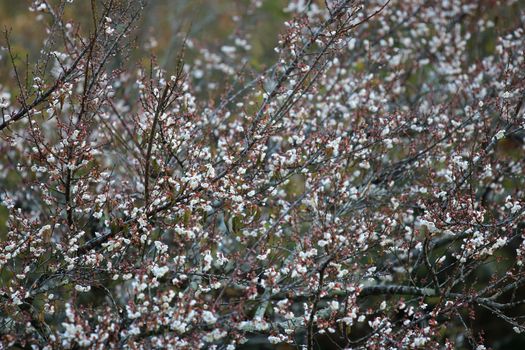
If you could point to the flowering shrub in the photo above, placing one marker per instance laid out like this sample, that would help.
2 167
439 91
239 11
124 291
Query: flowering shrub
366 188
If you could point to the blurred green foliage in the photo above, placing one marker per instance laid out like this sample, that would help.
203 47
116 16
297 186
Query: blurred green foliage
162 28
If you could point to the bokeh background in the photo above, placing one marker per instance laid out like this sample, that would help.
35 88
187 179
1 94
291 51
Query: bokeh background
162 28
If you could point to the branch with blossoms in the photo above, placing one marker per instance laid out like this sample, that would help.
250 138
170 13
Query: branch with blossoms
362 189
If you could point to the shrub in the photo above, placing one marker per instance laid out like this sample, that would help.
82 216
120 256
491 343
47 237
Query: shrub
365 189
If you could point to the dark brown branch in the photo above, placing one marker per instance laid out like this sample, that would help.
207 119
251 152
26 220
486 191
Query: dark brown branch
160 109
44 97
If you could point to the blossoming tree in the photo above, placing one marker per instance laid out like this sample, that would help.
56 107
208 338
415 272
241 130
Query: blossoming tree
363 191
